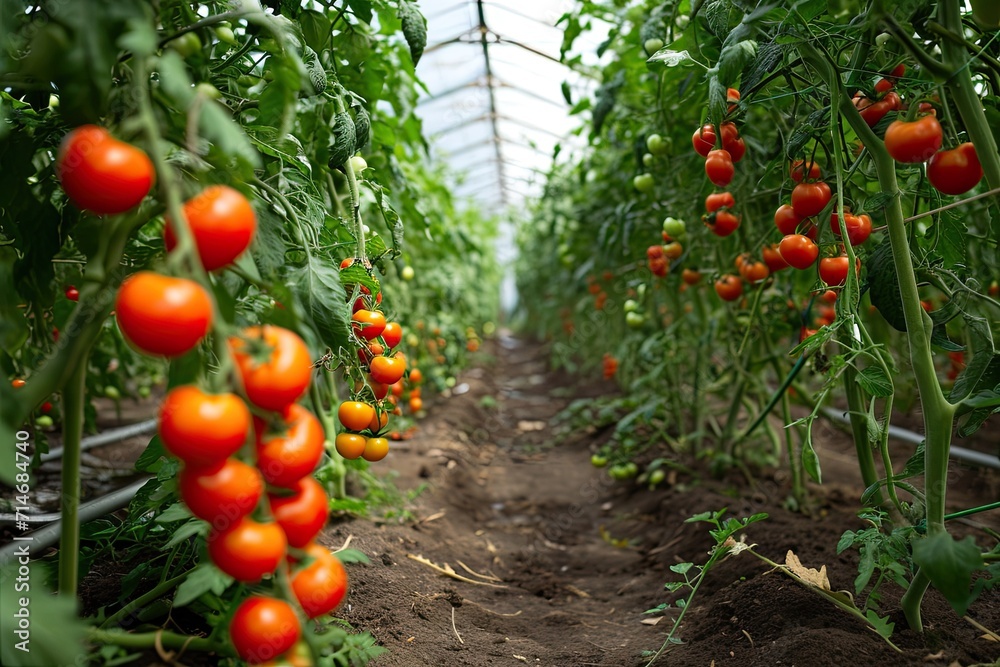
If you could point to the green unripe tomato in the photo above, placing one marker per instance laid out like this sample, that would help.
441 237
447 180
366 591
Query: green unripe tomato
186 45
143 391
634 320
641 290
648 160
408 273
112 392
598 461
652 45
225 34
358 163
657 145
449 382
632 469
207 91
657 477
674 228
489 328
618 471
43 421
631 306
882 38
412 339
643 183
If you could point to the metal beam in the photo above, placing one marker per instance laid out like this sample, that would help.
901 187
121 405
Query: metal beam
483 32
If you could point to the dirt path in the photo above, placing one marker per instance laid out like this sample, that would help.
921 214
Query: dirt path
577 558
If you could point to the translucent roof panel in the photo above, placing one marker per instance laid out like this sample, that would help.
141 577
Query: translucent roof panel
494 110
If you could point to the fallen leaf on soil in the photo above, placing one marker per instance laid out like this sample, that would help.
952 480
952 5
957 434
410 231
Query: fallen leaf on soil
526 425
449 572
810 575
487 577
651 621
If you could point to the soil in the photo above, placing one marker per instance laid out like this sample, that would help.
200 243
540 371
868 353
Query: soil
581 557
560 562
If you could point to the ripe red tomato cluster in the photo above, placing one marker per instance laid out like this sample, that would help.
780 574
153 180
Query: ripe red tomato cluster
886 100
207 432
657 261
719 162
366 417
719 216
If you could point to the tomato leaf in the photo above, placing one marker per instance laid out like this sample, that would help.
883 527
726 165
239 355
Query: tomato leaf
983 354
202 579
949 564
874 381
810 461
318 288
13 325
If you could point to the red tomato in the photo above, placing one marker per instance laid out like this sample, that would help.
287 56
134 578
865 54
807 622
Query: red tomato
914 141
690 276
786 219
729 287
377 448
798 250
955 171
833 270
874 111
387 370
287 457
704 140
801 171
773 258
247 550
321 585
72 293
754 272
263 628
416 404
733 143
392 334
717 200
810 198
355 415
369 324
220 493
160 315
859 227
719 167
274 365
222 222
303 513
17 383
350 445
722 223
100 173
201 428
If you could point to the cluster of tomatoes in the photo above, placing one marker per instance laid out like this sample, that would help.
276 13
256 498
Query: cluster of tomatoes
366 416
166 316
917 140
719 161
600 296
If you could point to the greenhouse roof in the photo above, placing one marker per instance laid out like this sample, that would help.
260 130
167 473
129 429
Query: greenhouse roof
493 109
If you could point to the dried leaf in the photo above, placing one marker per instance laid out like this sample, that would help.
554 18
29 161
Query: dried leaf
809 575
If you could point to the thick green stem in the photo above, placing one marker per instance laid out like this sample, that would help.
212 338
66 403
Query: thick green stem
914 595
74 394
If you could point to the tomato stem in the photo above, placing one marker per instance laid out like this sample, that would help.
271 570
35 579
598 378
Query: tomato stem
74 396
160 638
145 599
